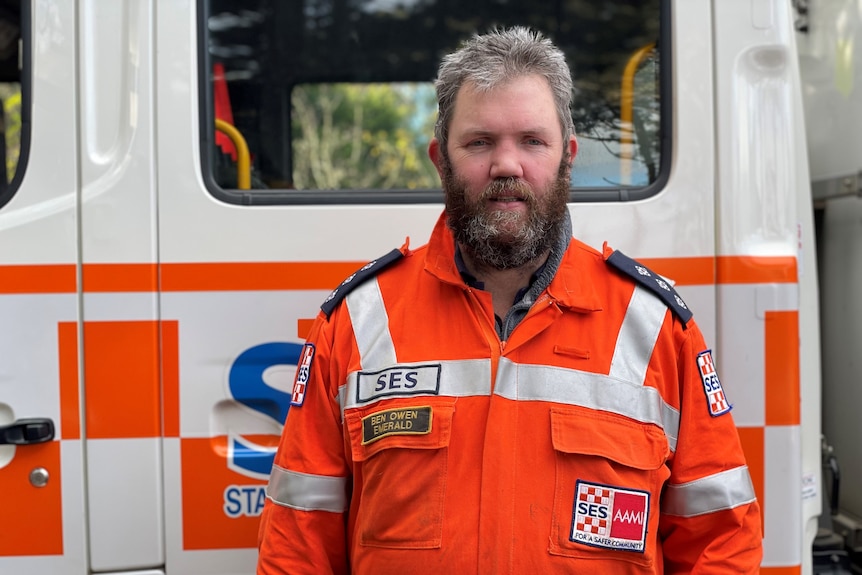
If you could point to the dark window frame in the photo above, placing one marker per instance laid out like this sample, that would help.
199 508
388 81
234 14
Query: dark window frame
286 197
8 190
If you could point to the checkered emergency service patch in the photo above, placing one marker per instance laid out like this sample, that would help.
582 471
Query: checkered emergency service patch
715 398
610 517
303 371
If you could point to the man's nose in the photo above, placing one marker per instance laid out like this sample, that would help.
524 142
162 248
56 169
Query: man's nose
506 161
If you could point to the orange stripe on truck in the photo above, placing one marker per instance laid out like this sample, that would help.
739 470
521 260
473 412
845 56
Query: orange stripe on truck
171 377
781 356
247 276
255 276
121 371
70 411
725 269
756 270
38 279
32 517
120 278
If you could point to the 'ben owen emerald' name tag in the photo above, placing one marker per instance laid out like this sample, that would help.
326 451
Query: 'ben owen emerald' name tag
400 421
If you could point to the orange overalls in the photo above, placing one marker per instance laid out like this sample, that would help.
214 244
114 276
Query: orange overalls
596 438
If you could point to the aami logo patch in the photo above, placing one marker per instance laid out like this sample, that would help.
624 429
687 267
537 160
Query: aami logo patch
610 517
715 399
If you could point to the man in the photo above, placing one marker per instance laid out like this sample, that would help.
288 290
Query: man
506 399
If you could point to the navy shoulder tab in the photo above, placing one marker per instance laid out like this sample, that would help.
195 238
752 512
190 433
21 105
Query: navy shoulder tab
367 271
651 281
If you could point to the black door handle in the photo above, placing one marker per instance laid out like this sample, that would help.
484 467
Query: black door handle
27 431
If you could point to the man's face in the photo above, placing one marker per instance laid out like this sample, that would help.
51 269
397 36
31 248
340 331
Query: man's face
506 173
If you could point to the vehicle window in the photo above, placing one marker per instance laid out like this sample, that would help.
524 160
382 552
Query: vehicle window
12 124
328 101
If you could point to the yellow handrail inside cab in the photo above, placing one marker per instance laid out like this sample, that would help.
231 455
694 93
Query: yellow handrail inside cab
627 102
243 158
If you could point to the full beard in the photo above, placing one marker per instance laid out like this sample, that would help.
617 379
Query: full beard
502 239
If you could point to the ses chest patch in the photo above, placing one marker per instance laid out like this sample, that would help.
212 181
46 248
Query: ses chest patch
610 517
715 398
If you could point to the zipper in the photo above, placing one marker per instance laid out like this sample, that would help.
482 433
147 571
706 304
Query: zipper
495 344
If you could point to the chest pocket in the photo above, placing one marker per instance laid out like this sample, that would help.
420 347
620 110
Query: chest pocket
609 474
400 459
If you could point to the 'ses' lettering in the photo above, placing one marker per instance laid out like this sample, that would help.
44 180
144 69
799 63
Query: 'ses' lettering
593 510
397 380
303 373
711 383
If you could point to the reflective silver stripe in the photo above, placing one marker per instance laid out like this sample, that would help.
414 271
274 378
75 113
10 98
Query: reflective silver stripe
307 492
724 490
638 334
371 326
591 390
621 392
458 378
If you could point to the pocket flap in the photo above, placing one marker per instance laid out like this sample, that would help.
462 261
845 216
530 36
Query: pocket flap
628 442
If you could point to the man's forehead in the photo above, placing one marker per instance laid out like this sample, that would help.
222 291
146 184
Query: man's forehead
483 114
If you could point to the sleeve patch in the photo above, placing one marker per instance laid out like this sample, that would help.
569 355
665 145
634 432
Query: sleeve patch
303 372
715 399
653 282
367 271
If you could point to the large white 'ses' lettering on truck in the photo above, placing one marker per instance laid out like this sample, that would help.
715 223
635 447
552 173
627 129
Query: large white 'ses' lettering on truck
187 180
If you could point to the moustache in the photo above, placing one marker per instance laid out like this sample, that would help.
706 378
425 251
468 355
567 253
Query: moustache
508 188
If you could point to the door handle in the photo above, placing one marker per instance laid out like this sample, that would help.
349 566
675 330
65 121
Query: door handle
27 431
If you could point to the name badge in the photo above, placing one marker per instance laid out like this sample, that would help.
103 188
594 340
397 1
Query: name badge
400 421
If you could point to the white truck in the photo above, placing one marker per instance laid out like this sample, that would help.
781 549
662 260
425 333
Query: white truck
188 179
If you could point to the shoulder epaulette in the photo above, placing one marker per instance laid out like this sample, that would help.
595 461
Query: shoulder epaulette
367 271
651 281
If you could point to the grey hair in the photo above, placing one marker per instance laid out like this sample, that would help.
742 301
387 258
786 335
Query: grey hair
490 60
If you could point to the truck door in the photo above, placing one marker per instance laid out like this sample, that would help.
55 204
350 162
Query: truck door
120 330
80 335
42 501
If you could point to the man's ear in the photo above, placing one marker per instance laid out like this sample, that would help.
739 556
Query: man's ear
436 155
573 148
